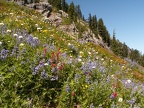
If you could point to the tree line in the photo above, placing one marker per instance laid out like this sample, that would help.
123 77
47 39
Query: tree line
98 27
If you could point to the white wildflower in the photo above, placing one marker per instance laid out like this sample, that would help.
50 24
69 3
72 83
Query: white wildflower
97 58
128 81
93 67
82 62
112 76
36 25
102 59
1 24
15 35
81 52
0 43
35 38
8 31
96 52
123 67
20 37
38 28
111 60
69 44
89 53
46 64
21 44
120 99
11 13
79 60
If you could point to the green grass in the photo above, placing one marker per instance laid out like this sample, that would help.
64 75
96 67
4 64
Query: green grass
20 88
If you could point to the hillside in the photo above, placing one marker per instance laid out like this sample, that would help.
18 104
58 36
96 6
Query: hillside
43 67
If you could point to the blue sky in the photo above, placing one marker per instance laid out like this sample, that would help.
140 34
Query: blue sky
125 16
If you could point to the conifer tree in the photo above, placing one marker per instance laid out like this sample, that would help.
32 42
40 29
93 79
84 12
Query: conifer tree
63 3
72 12
90 21
83 18
94 23
78 11
100 26
56 3
124 50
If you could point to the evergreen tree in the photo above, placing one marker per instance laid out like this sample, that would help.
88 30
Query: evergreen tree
90 21
94 23
56 3
78 11
83 18
114 44
25 1
66 7
135 55
124 50
103 32
100 26
72 13
63 5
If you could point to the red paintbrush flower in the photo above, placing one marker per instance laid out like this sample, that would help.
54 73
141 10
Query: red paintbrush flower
115 85
44 50
89 73
61 67
52 56
73 93
53 65
57 55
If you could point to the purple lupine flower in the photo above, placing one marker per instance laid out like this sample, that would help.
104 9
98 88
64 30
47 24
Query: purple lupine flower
113 105
77 77
54 78
4 53
44 75
132 101
34 73
53 70
91 105
67 88
88 80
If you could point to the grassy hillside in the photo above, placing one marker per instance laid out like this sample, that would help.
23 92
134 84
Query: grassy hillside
41 67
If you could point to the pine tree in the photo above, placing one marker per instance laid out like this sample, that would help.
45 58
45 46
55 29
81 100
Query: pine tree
63 5
78 11
114 44
94 23
90 21
72 13
83 18
56 3
100 26
124 50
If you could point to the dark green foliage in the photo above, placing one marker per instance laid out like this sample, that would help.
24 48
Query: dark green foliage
78 11
56 3
103 32
135 55
120 49
124 50
64 6
83 18
92 21
72 13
